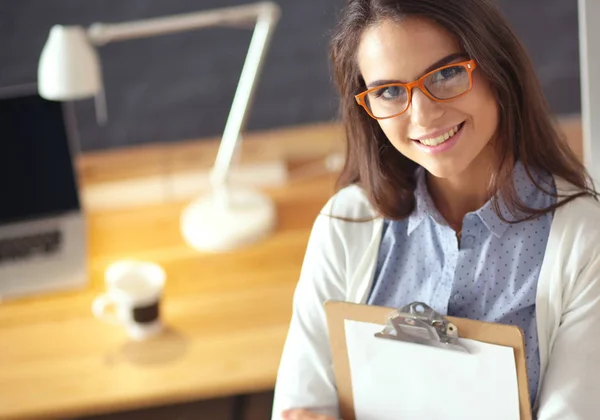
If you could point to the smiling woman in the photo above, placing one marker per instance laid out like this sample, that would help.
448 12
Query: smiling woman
457 191
416 133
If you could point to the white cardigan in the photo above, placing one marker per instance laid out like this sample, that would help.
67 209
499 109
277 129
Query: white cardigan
340 263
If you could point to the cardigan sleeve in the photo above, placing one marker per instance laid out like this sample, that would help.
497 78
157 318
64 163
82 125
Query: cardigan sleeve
305 378
571 385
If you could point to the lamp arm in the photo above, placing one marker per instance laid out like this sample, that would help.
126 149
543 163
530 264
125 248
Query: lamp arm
265 13
104 33
242 99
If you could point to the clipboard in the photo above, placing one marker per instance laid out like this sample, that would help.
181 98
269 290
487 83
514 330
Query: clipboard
429 329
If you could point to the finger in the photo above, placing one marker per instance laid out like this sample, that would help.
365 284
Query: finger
301 414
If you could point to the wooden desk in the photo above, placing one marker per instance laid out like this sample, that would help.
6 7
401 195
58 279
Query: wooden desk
227 315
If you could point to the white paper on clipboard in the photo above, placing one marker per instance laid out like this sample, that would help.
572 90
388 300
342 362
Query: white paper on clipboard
394 380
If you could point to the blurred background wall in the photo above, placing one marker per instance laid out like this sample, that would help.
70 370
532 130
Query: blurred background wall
181 86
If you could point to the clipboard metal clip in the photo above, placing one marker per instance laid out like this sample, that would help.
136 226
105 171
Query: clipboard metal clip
419 323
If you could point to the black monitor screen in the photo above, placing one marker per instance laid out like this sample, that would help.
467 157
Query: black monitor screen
37 177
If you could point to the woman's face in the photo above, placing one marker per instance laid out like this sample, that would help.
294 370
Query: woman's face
404 52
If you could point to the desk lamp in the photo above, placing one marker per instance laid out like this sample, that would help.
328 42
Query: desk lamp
69 69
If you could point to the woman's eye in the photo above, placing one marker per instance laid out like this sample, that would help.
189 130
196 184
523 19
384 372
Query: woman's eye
446 74
390 92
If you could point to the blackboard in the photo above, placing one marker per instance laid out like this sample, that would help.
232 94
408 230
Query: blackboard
181 86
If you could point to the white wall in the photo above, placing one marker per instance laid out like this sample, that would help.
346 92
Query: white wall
589 45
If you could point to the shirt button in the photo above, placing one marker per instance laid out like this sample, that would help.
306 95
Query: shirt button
457 297
468 240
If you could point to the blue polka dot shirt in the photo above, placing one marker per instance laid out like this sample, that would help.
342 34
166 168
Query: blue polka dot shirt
491 275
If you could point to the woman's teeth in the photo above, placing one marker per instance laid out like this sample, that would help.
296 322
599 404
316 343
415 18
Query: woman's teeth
436 141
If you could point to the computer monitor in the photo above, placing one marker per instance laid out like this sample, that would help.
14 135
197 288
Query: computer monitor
42 226
37 178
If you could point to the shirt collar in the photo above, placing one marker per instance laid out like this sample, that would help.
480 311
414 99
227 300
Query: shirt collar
526 191
424 207
490 218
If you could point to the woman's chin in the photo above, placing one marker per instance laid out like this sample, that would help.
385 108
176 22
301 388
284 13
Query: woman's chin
443 171
444 168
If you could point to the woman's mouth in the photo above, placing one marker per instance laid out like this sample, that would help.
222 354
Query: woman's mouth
442 142
436 141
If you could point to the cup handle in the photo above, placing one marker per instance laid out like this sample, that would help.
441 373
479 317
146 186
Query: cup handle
101 303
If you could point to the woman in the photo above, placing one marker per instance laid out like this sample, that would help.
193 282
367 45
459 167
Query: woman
457 192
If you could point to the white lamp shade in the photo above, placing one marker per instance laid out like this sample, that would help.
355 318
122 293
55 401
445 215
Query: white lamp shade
69 67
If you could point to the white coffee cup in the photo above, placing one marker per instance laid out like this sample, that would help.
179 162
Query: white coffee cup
134 291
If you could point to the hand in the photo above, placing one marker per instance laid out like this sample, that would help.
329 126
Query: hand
299 414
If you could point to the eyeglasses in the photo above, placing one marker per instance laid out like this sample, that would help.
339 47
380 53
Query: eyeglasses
444 84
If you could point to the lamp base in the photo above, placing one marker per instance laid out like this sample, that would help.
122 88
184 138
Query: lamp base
208 225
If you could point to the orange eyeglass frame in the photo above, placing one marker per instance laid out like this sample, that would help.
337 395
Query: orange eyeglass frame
469 65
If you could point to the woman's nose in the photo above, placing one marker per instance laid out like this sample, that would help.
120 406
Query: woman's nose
424 110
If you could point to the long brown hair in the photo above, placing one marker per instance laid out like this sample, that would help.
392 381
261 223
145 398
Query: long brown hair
526 130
